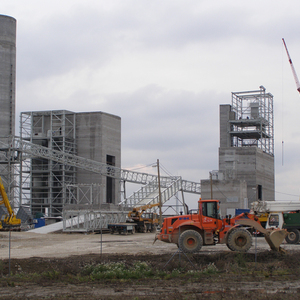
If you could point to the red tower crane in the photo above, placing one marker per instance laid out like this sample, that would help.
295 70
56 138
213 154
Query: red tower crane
293 69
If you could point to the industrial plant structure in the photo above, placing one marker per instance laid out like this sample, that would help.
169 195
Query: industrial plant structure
44 185
48 184
246 152
69 164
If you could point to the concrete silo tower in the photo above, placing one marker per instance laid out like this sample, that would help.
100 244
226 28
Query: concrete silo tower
7 75
7 102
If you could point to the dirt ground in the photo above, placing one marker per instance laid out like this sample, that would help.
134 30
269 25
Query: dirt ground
50 266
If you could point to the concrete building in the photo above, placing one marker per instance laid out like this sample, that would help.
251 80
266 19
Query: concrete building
98 138
7 99
246 152
7 75
50 185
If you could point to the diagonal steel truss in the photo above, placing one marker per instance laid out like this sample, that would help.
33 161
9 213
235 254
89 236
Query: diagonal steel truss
148 194
33 150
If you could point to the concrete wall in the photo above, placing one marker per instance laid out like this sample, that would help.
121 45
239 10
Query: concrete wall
231 193
7 75
98 134
225 115
252 165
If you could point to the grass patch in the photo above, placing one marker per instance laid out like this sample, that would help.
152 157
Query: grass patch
144 268
119 270
141 270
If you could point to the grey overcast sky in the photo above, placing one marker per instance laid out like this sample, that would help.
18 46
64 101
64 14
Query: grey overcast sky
164 67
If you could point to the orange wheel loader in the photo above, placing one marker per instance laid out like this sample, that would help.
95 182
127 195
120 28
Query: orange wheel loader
192 231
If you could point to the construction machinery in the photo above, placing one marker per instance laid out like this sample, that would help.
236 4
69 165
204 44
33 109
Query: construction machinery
282 215
9 221
121 228
263 218
292 67
145 221
205 227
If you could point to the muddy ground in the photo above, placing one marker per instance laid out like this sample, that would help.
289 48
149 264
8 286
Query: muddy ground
54 266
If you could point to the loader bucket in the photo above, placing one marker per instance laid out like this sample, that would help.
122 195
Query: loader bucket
274 237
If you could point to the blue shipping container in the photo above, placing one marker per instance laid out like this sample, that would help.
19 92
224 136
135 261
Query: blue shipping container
239 211
39 222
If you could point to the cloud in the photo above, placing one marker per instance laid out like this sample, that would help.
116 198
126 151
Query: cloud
172 125
81 35
164 67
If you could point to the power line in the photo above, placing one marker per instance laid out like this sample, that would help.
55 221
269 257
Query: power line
287 194
165 170
142 167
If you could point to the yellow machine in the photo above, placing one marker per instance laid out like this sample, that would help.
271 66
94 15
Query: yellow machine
263 218
9 220
145 221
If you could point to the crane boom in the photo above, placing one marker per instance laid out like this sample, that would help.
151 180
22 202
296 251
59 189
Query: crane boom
292 66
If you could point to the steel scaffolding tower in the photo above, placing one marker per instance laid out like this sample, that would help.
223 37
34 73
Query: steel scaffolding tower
252 124
45 180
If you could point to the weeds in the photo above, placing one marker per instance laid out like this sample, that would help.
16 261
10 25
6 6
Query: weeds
232 264
241 260
119 271
51 274
140 270
210 269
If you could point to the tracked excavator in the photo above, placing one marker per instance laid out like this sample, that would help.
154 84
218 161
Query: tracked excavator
10 221
144 221
206 227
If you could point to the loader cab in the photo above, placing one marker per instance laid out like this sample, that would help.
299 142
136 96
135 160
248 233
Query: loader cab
275 220
209 215
210 208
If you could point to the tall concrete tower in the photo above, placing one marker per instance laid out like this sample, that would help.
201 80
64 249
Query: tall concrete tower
246 152
7 102
7 75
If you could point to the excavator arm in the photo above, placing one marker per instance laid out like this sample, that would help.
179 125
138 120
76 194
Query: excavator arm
10 219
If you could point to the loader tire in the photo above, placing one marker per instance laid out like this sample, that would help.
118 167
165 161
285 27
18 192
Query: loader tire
293 236
190 241
239 240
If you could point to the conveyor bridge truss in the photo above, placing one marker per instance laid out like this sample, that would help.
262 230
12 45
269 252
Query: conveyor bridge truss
148 194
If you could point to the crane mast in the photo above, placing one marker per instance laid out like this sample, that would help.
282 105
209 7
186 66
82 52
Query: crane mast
292 66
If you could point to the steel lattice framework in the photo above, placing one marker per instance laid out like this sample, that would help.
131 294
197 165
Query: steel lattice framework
252 124
29 150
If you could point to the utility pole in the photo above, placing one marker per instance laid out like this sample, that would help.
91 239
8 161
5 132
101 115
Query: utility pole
211 186
159 194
